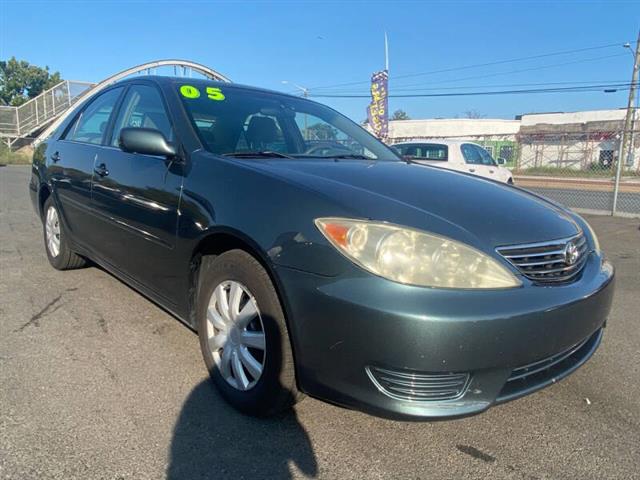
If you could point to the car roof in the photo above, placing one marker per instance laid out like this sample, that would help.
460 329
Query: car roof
441 141
166 80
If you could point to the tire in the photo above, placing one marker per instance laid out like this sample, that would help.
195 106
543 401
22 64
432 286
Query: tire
273 390
60 255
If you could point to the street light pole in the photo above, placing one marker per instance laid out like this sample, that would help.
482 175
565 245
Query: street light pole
304 90
627 133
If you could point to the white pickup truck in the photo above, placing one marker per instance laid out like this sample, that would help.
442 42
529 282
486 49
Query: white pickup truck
458 155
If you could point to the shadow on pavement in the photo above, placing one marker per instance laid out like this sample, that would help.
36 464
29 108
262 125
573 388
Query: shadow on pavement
212 440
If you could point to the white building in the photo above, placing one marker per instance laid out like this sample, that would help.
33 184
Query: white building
463 128
570 140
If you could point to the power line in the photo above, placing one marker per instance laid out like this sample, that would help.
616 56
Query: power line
529 69
522 70
576 83
586 88
477 65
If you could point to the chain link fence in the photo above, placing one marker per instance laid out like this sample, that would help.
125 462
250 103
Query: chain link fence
578 169
571 166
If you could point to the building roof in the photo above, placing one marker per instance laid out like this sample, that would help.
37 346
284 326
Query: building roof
452 127
563 118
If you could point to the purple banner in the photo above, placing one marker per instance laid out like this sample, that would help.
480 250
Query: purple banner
377 112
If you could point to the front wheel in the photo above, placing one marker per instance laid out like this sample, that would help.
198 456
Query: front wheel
243 335
56 244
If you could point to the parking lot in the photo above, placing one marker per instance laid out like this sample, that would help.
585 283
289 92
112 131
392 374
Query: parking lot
96 382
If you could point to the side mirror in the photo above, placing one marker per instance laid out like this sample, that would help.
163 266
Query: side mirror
147 141
501 161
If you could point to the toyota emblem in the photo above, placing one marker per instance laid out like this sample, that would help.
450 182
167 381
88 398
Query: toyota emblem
571 253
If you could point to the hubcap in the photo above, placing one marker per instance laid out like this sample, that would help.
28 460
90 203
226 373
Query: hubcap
52 230
235 334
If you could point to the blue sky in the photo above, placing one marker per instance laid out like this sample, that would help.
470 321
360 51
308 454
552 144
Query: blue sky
317 44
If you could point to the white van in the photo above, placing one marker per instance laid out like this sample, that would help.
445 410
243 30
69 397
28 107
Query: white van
458 155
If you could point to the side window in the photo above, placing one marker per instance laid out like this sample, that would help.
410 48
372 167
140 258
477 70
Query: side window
471 154
91 124
142 107
435 152
409 150
487 159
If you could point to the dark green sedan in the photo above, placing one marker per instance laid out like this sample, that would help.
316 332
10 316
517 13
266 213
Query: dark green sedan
312 259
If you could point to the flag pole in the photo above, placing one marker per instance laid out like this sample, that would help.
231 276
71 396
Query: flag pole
386 52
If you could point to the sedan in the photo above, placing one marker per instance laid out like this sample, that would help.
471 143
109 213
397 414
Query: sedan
311 259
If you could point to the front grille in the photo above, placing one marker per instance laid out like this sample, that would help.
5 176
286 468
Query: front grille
541 373
548 262
418 386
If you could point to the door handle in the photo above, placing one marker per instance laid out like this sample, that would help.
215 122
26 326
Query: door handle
101 170
472 170
55 157
490 171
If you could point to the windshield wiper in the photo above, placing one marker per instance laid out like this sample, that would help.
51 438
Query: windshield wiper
356 156
262 153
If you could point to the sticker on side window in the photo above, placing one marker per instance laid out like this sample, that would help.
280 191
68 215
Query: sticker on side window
188 91
214 93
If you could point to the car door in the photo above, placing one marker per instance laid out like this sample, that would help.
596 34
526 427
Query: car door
491 167
72 159
138 196
474 162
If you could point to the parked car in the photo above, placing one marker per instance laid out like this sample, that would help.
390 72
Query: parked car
456 155
357 278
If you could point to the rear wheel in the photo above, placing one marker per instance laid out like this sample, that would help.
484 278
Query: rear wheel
60 255
243 335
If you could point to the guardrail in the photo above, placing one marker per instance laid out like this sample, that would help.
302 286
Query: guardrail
23 120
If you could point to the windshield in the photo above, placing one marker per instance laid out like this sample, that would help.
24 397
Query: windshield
246 123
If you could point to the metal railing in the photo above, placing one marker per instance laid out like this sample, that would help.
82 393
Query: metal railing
23 120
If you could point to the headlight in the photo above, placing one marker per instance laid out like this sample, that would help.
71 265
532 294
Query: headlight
413 257
594 237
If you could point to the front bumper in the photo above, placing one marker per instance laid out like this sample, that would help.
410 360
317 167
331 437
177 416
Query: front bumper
342 327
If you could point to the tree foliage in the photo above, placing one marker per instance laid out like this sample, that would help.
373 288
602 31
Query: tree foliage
20 81
322 131
400 115
474 114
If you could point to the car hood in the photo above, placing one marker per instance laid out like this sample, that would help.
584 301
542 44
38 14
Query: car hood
483 212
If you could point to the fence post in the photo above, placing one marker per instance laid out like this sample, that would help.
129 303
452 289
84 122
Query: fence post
616 186
17 121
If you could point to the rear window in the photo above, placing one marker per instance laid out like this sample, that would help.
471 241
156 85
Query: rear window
425 151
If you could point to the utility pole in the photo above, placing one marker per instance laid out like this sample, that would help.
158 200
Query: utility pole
627 134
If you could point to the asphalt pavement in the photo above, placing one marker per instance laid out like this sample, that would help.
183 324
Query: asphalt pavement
96 382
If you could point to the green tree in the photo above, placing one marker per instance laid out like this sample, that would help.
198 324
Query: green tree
20 81
400 115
